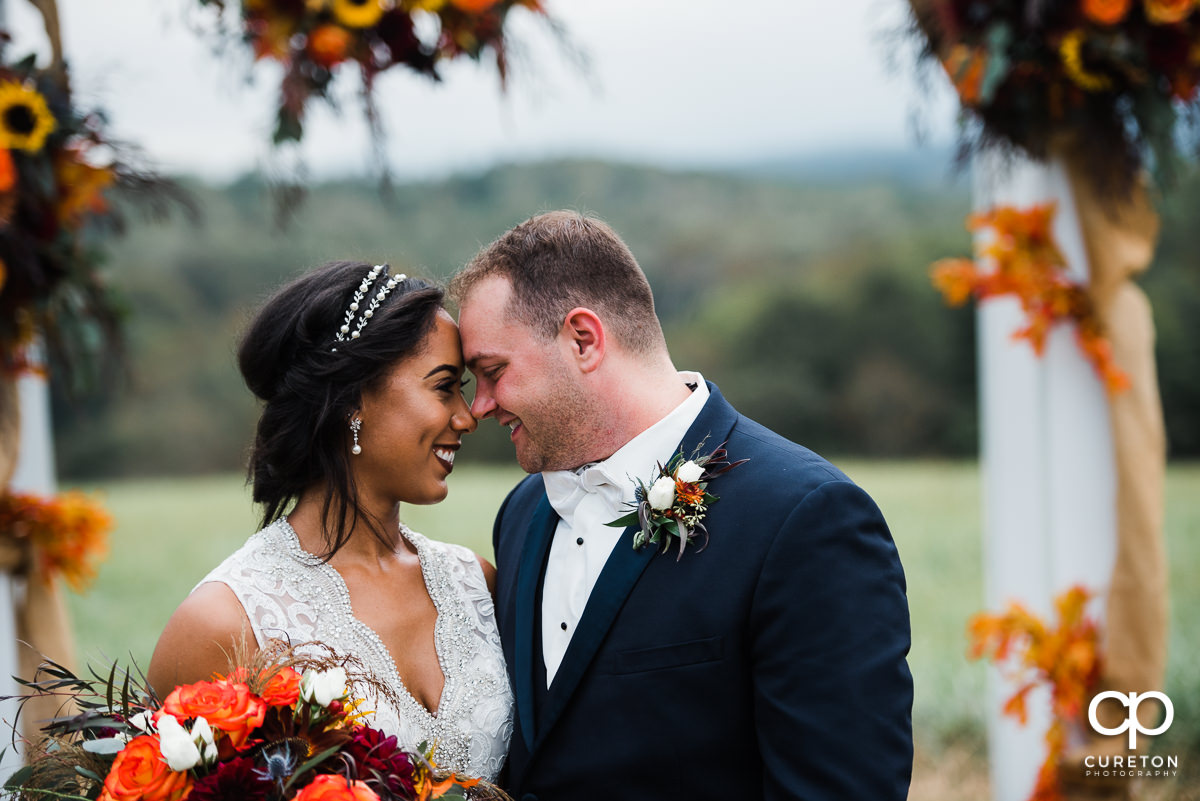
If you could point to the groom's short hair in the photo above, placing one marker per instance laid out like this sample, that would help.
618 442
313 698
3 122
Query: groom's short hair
561 260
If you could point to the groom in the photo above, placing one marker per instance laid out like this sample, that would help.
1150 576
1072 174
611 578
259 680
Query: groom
769 664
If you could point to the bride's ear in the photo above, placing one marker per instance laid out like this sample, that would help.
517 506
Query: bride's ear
585 334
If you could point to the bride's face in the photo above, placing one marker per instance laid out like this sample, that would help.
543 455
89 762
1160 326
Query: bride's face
413 422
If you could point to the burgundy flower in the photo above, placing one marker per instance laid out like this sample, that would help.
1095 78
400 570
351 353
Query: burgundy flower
235 780
378 760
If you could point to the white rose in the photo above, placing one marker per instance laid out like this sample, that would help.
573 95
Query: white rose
324 686
689 472
176 746
662 494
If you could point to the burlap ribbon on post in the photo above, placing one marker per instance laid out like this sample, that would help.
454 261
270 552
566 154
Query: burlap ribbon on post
43 628
1120 237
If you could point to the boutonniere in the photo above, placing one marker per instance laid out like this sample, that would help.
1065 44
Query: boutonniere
674 503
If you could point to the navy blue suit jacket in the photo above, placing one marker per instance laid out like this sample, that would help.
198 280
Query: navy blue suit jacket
769 665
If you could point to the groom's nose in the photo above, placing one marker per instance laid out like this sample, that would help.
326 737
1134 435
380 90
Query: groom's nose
483 405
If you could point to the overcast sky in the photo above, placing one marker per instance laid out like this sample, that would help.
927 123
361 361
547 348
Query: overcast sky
670 82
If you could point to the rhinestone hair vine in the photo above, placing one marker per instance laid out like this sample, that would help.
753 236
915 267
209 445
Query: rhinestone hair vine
345 332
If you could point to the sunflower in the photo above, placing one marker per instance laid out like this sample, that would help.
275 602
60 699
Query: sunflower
25 120
357 13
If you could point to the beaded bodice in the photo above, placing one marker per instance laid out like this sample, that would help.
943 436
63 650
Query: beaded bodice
291 594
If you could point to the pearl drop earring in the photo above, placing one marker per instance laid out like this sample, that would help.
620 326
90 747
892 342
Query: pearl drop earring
355 425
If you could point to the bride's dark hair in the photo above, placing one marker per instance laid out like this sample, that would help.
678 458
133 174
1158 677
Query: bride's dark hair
310 385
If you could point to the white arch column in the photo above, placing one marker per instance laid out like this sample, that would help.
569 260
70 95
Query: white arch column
1047 466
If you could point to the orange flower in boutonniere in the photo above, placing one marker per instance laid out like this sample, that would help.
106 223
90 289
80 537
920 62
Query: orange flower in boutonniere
673 506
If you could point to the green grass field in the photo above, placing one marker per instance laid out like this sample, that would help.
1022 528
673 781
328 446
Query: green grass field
170 533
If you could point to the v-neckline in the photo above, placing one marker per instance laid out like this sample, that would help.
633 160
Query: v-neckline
370 633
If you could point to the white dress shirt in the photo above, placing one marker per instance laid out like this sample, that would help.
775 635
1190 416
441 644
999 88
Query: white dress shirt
588 498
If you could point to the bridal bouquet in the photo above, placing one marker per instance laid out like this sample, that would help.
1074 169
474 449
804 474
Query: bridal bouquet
276 727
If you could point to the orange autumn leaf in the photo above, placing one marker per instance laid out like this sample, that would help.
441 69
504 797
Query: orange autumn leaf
955 279
80 187
966 67
1064 657
1026 263
68 532
1015 707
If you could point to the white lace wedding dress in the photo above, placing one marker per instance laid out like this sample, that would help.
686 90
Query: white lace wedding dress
291 594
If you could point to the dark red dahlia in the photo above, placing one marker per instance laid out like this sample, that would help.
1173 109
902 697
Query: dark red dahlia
378 760
235 780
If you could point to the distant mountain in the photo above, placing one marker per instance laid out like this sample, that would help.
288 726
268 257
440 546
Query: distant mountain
914 167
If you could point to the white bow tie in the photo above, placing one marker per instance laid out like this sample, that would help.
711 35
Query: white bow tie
566 488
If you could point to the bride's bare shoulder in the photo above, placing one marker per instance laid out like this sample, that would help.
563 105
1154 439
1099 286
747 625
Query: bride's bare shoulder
199 638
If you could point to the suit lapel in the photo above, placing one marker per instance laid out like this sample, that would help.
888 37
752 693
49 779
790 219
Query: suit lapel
621 572
529 575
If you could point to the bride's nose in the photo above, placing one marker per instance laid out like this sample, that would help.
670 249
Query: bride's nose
463 420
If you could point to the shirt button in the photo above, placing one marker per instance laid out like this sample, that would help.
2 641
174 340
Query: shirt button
579 540
564 626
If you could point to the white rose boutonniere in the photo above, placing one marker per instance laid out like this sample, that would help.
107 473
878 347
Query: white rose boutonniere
676 501
661 494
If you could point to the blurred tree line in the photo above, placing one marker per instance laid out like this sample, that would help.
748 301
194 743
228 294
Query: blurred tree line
805 296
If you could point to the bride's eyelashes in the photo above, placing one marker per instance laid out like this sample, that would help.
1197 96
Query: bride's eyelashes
449 385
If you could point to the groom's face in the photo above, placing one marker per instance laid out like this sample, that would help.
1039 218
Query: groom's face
524 381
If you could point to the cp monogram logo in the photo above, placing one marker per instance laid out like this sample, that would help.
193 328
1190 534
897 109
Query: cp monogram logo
1132 723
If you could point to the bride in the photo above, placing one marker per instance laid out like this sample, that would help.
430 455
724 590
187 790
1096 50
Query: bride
361 376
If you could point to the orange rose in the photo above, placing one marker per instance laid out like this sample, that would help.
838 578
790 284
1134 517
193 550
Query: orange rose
1106 12
335 788
140 774
1168 12
328 45
283 688
227 706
